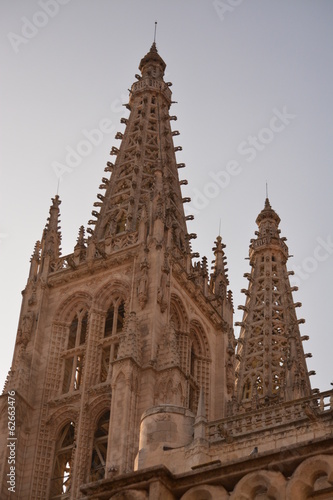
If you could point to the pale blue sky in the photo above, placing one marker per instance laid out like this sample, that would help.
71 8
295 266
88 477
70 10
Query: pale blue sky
235 72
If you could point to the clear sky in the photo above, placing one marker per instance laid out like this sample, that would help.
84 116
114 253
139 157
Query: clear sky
253 85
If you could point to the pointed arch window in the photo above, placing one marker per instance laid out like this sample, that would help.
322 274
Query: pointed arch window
198 367
114 324
74 354
100 446
60 485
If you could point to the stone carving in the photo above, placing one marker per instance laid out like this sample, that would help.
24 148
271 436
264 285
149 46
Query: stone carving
24 333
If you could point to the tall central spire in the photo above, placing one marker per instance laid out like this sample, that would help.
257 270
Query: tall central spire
144 184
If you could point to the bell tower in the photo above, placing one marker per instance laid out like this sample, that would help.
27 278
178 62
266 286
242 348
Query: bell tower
127 329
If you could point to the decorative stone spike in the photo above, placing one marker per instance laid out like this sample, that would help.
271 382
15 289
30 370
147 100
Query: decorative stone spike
80 242
50 245
36 253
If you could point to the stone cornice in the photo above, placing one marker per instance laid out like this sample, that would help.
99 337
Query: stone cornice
226 475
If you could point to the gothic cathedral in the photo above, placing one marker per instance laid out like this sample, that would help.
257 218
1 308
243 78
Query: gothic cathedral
127 381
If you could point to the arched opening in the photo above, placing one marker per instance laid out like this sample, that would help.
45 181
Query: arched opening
100 446
114 324
62 469
74 356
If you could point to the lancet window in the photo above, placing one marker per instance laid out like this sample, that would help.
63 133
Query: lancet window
100 446
60 484
114 324
198 366
74 355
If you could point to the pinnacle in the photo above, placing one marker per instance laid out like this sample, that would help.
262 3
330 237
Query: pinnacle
201 411
267 213
36 253
53 219
56 201
267 204
153 58
81 237
153 48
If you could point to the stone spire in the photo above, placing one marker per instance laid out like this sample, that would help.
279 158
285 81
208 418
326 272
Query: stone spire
51 239
271 362
219 278
144 185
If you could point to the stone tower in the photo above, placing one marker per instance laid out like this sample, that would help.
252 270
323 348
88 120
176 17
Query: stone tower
271 363
123 380
124 324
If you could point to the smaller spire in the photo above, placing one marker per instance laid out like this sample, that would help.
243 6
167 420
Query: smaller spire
52 221
219 278
36 253
80 242
51 239
276 369
34 261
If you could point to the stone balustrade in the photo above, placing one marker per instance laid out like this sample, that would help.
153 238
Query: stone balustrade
270 417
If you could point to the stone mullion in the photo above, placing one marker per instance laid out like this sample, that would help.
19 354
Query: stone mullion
85 430
134 422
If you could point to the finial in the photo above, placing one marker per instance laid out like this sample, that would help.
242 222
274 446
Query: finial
220 228
201 410
58 186
266 190
155 31
55 201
